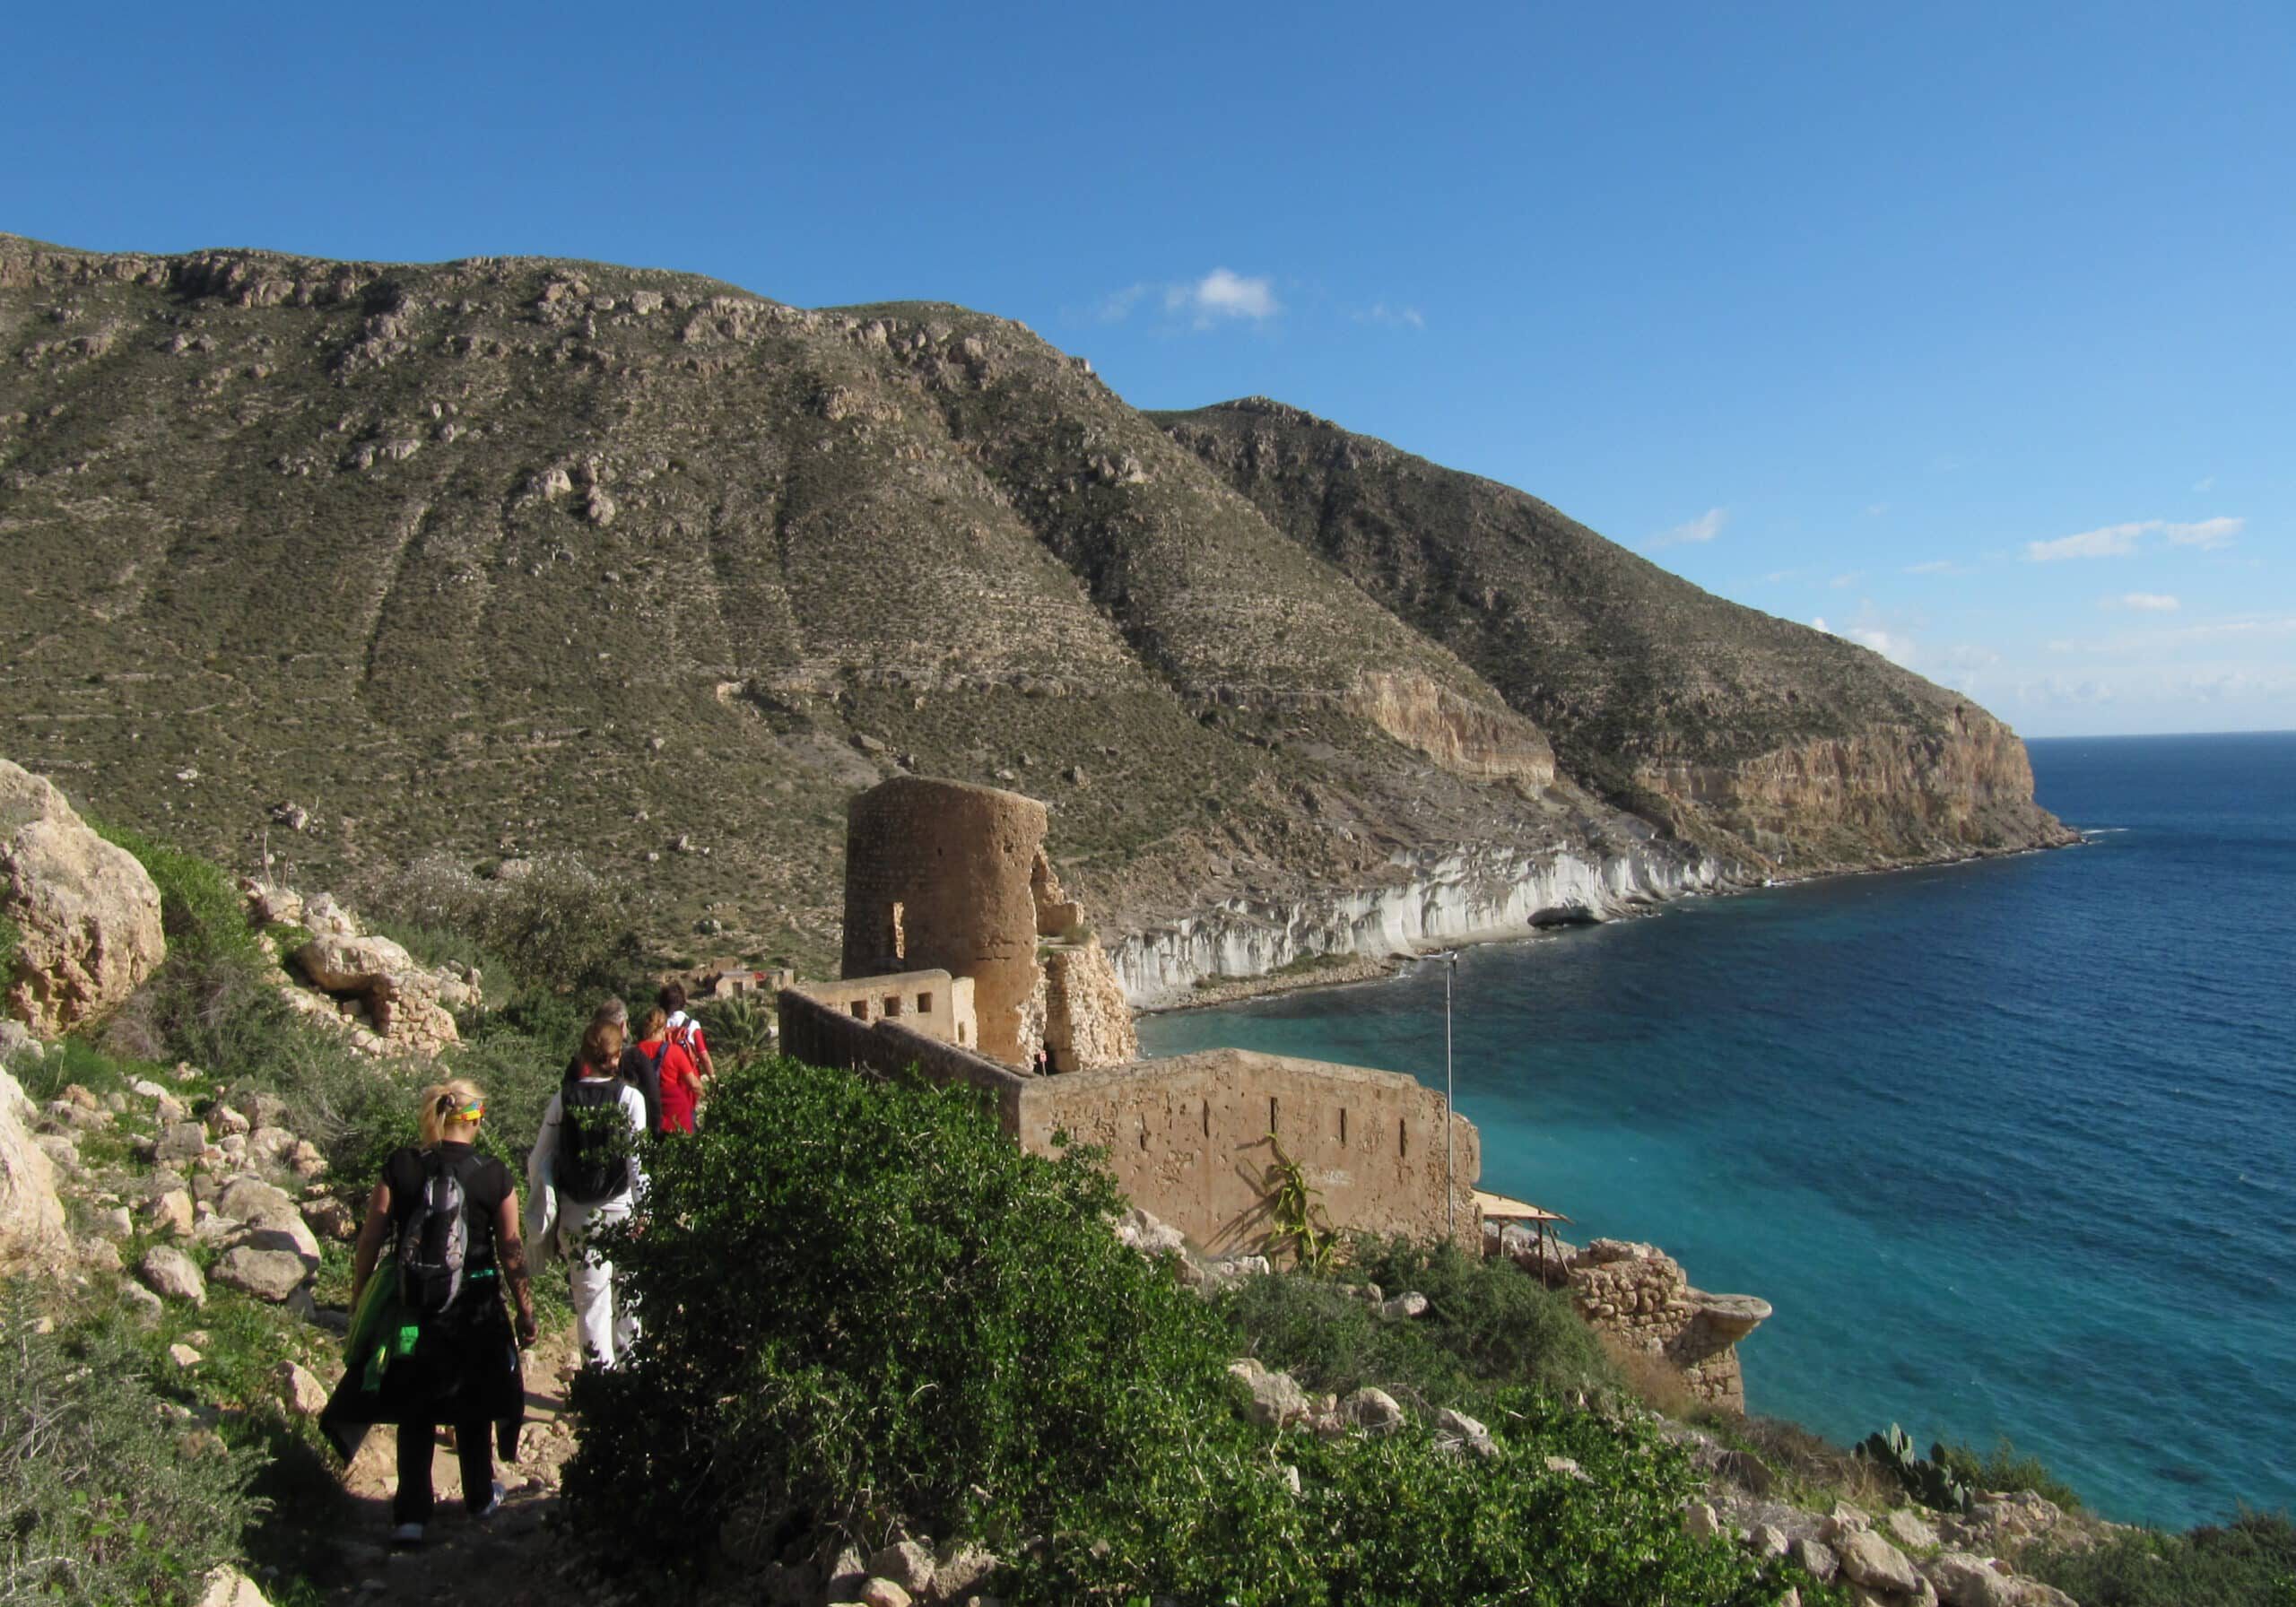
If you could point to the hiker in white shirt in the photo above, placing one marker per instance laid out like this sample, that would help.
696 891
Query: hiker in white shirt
584 1169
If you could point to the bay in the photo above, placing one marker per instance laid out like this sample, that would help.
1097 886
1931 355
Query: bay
2010 1146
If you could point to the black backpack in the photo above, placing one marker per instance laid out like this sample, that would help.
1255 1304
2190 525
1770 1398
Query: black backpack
594 1142
434 1240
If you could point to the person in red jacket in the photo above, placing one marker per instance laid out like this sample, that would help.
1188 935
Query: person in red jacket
680 1080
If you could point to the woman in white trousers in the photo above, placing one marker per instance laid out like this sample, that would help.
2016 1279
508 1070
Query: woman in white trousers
584 1171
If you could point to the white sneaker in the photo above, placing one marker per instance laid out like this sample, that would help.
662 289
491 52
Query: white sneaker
407 1534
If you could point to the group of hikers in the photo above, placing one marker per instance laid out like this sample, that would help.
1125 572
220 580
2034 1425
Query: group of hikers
441 1262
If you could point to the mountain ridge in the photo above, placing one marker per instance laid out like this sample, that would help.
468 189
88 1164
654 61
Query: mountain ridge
508 556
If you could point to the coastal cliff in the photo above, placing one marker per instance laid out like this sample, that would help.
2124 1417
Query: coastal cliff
1423 901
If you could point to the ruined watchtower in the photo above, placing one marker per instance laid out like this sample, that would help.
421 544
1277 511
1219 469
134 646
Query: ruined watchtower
936 875
949 876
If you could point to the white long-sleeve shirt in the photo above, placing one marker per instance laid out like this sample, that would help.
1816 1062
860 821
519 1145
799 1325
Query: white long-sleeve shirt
542 1194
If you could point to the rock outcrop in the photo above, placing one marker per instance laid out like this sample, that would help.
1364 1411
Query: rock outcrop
31 1218
85 911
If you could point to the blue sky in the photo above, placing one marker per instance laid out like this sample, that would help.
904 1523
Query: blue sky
1966 330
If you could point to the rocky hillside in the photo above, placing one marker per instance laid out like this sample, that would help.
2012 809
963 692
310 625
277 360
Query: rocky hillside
1763 739
347 562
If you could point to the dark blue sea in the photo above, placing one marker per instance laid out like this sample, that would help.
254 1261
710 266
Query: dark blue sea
2010 1146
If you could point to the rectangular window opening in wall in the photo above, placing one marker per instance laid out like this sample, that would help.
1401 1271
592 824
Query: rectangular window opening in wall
896 934
961 1033
1207 1118
1343 1124
1402 1140
924 1003
1271 1113
860 1009
893 1005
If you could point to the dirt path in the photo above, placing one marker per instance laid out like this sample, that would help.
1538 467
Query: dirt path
511 1560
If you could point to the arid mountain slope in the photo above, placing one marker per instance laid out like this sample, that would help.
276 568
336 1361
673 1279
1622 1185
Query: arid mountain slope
506 556
1757 737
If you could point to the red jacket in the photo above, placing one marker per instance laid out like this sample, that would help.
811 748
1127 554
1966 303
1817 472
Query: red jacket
681 1082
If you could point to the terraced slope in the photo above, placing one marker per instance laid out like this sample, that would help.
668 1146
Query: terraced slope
501 557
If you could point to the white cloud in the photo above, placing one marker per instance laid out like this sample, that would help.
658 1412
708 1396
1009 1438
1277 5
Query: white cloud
1402 318
2118 541
2205 484
1703 528
1223 294
1892 644
1118 306
2145 601
1842 582
2207 536
1939 566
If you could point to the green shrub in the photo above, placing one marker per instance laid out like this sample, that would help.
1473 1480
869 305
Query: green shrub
2003 1468
2250 1562
558 927
1333 1342
868 1312
102 1498
12 939
200 907
1500 1324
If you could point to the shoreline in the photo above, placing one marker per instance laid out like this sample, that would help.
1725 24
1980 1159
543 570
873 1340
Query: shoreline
1353 970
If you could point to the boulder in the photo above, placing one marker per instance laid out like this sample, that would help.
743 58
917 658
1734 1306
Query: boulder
148 1307
1868 1560
168 1272
1373 1410
907 1564
330 1218
170 1212
226 1587
1818 1560
1964 1580
1458 1430
99 1255
1412 1304
299 1389
884 1592
1700 1521
1909 1530
1142 1232
86 912
31 1218
401 997
960 1567
268 1274
184 1141
1277 1399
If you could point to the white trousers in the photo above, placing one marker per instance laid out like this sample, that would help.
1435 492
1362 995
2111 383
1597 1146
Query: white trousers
590 1280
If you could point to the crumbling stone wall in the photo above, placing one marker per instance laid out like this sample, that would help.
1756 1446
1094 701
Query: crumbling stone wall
1639 1294
1187 1138
937 876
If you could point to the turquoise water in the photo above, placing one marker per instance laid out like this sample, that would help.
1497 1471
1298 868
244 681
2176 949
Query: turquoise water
2009 1146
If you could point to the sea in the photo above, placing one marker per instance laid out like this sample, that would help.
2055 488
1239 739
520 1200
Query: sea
2010 1146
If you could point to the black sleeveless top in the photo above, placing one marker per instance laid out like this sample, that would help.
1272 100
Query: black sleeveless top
486 1184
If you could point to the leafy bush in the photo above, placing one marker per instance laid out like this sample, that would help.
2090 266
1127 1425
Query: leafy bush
1502 1325
11 938
1333 1342
2004 1468
101 1497
869 1313
2250 1562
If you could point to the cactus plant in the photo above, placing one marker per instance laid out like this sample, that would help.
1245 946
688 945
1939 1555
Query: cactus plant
1928 1482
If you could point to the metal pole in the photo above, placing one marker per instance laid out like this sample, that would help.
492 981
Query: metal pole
1450 1180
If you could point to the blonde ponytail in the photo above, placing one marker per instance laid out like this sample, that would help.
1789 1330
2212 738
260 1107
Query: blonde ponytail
441 1101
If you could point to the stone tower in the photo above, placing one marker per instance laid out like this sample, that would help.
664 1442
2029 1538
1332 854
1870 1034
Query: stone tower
938 874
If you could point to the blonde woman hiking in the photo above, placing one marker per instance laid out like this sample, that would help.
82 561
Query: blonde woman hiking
431 1342
584 1171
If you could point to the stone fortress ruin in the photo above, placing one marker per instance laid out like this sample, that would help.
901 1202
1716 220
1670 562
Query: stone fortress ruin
940 874
963 958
